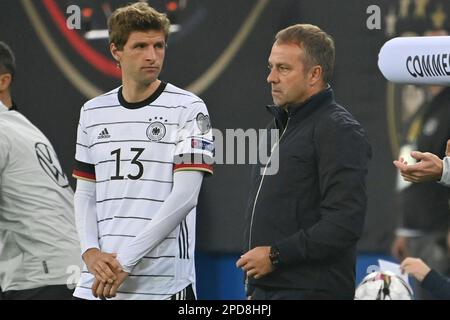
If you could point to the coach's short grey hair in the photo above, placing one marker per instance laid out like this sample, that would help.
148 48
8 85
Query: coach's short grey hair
318 46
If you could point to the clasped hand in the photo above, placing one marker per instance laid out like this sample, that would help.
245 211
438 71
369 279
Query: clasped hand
107 271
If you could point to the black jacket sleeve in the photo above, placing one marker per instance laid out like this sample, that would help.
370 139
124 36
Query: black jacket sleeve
437 285
342 155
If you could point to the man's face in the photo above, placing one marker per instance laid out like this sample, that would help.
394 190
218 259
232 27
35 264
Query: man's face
142 57
5 81
288 75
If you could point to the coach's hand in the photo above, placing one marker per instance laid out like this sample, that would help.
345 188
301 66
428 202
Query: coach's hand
103 266
256 262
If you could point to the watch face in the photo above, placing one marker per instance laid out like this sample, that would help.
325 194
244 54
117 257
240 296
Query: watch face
274 256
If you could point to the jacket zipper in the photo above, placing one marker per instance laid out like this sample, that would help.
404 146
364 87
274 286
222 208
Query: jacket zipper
262 180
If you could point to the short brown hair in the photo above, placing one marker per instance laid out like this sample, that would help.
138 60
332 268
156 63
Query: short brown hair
317 44
138 16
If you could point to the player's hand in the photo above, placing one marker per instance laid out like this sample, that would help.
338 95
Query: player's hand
103 266
121 277
256 262
107 290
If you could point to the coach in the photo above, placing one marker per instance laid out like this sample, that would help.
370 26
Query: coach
302 224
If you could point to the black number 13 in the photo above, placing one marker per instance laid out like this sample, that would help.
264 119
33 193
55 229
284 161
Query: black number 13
134 161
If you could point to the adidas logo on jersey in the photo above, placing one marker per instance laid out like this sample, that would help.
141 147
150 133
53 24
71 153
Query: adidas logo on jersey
104 134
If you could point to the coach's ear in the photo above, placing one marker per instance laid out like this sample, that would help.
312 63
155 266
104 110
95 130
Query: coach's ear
315 76
115 52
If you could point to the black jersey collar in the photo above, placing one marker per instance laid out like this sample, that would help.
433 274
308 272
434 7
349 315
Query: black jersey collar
143 103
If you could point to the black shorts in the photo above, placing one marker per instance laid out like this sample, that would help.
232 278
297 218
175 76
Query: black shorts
185 294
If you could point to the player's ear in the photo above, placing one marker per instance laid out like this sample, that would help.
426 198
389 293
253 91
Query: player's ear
5 81
115 52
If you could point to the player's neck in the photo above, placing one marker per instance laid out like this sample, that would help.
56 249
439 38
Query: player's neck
134 92
5 98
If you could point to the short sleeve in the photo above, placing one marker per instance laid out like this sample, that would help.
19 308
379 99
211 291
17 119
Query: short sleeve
84 166
195 145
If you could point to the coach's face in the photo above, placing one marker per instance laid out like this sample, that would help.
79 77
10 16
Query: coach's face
289 78
142 57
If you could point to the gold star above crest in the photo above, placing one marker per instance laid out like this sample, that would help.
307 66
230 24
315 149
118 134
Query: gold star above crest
438 17
421 6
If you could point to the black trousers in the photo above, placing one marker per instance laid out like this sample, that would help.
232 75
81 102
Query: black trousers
265 293
58 292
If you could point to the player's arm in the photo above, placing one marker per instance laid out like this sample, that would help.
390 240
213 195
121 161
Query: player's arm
100 264
182 199
192 156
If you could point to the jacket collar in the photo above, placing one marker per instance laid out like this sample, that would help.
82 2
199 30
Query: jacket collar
300 111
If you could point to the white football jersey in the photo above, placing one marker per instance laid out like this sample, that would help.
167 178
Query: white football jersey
131 151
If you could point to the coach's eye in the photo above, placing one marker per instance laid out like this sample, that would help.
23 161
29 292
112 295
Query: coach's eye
283 69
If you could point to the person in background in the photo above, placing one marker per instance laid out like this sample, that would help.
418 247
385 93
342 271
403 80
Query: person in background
38 241
431 280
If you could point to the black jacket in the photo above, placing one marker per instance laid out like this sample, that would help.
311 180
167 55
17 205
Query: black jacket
313 209
437 285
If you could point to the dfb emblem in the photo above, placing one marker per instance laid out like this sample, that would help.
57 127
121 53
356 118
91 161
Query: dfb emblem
156 131
203 123
50 164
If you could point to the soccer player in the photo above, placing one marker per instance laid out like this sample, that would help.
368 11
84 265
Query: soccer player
39 246
142 150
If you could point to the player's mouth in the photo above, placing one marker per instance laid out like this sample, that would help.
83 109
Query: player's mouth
152 69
